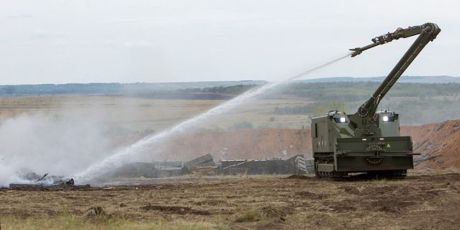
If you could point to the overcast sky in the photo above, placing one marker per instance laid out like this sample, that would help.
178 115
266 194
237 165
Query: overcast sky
51 41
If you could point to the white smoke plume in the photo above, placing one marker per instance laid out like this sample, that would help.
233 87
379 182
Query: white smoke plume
56 144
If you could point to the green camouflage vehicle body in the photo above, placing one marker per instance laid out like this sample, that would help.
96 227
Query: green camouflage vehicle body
369 141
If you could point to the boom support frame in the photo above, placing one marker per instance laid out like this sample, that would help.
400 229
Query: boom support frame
364 119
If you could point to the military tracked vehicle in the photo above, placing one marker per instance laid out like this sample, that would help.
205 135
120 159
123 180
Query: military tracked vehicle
369 141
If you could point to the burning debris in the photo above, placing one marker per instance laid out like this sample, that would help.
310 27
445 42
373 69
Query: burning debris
296 165
34 181
200 162
148 170
205 165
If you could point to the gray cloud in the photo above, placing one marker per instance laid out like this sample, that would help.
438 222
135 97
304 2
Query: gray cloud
53 41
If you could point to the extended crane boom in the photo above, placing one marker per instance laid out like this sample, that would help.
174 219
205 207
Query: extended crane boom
427 32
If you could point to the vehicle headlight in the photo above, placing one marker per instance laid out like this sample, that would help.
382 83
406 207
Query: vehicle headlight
343 119
385 118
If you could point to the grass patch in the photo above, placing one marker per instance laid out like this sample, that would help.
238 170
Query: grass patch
250 215
71 222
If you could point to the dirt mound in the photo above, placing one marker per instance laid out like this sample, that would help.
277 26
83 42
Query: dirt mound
438 144
257 144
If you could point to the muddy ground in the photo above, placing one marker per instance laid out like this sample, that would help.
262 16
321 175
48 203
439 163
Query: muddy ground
257 202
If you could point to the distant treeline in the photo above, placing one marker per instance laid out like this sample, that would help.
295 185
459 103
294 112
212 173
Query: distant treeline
417 103
52 89
360 90
349 91
198 90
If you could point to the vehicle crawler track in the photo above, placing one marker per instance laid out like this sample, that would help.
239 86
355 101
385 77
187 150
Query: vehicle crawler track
400 174
320 174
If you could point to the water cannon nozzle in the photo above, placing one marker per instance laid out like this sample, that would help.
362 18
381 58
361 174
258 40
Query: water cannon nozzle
356 52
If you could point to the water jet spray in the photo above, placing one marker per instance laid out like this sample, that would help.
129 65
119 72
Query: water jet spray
128 154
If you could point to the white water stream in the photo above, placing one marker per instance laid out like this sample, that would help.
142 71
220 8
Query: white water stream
128 154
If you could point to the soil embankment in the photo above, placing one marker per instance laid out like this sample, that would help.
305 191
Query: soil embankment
439 144
257 144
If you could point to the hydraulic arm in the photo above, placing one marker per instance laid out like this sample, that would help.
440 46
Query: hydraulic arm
369 141
427 32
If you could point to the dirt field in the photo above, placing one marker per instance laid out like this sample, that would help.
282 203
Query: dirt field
263 202
139 114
